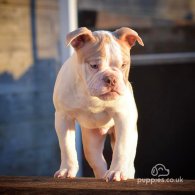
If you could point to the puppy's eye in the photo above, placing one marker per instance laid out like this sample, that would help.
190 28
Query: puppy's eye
123 66
94 66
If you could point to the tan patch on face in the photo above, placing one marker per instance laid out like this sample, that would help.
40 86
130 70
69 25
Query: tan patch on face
94 50
106 47
109 54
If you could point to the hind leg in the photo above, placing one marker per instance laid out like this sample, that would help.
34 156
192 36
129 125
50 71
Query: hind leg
112 137
93 144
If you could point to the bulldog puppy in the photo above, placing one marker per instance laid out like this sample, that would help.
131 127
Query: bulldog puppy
92 88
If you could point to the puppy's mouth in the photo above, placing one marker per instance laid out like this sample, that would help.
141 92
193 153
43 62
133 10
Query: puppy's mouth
110 95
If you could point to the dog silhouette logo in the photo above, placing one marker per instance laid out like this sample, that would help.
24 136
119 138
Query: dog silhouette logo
159 170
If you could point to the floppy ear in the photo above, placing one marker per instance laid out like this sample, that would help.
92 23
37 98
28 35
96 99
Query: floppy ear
79 37
128 35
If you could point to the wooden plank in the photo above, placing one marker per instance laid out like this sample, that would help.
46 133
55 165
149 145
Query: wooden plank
47 14
48 4
48 185
14 2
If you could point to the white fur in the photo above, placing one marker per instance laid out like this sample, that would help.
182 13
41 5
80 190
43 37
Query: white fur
74 100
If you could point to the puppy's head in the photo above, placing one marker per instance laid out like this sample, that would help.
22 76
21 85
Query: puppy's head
104 59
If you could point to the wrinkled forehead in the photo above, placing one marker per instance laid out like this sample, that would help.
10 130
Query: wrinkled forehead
105 47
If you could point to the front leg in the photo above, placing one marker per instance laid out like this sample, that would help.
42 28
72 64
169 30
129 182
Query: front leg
65 129
122 166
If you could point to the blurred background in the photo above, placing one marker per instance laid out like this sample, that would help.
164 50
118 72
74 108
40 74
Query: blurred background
32 50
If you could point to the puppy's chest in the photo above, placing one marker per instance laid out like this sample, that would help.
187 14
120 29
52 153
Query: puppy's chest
91 120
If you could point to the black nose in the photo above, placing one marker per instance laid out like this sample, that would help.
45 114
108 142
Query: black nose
109 80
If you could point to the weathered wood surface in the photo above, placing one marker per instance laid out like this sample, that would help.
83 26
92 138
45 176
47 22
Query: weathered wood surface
48 185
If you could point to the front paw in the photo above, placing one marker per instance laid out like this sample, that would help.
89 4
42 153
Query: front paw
115 176
66 173
119 175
